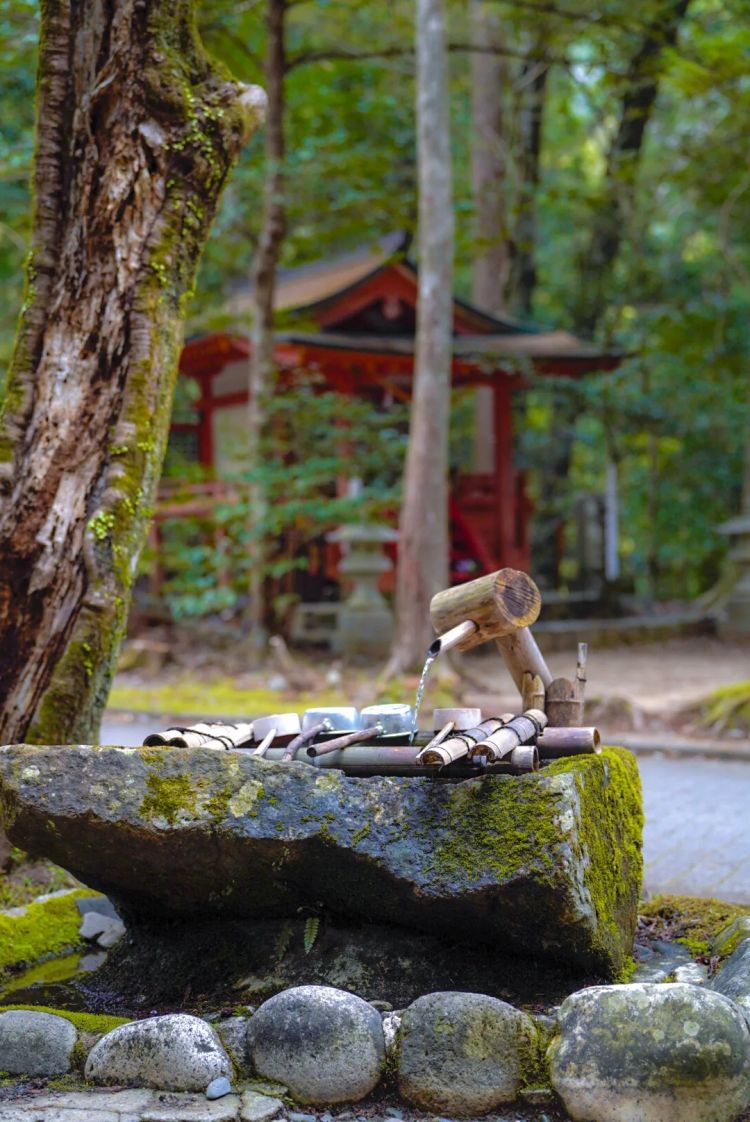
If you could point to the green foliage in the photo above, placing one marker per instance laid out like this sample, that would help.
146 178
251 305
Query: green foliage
312 925
313 439
675 416
727 708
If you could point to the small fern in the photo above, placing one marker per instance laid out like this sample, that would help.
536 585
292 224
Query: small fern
312 924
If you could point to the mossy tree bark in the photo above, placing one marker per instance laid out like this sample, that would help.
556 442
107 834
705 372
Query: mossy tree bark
136 133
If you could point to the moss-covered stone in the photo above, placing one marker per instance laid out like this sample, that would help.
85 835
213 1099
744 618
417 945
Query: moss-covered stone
42 929
651 1052
546 864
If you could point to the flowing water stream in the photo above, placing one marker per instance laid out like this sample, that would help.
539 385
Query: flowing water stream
420 692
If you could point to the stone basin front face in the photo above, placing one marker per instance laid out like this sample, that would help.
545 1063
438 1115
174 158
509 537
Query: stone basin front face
545 864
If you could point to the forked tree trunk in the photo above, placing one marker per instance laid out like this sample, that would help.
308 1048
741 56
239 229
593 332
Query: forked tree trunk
136 133
265 263
423 526
617 199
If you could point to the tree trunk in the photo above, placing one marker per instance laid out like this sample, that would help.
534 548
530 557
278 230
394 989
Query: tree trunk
423 526
615 206
523 276
489 185
262 367
136 133
488 162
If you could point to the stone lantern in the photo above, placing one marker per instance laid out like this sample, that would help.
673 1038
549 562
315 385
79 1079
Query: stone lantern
735 614
365 621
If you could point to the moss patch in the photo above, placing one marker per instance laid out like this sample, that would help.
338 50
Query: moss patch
168 797
691 920
46 928
214 698
502 831
95 1023
611 831
727 708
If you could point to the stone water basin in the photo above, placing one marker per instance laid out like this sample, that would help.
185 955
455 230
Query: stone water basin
546 865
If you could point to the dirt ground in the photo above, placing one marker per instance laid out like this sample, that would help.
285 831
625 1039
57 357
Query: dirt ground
658 678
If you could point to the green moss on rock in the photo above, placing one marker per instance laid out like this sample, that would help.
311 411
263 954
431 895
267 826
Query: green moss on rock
693 921
45 928
95 1023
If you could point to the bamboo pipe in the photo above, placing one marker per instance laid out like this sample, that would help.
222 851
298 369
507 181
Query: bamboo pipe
519 731
557 742
316 750
524 758
497 604
437 740
453 638
304 738
522 656
362 760
460 745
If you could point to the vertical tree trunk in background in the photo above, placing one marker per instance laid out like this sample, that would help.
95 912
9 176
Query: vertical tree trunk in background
136 133
423 526
523 275
488 161
491 266
615 205
265 263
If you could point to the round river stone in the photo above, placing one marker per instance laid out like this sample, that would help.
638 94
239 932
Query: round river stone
461 1053
35 1043
652 1053
325 1045
172 1053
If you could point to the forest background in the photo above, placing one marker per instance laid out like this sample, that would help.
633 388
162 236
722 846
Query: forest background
674 417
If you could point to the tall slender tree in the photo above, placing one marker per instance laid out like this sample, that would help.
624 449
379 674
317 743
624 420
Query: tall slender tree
136 133
489 173
423 524
265 264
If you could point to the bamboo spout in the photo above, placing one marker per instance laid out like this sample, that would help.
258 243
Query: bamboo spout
452 638
498 604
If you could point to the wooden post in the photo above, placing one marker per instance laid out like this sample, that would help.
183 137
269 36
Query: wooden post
564 707
522 656
533 694
504 480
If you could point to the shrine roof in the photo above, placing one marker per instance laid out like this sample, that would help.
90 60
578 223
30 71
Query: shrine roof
313 289
551 346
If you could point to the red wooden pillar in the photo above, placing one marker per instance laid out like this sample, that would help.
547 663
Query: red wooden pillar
204 407
505 489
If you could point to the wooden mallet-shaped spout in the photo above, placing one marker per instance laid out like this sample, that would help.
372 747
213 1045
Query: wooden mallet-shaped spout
499 606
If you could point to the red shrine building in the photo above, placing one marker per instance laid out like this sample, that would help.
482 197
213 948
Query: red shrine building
359 319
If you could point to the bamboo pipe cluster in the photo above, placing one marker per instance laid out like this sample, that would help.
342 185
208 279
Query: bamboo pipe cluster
518 733
459 745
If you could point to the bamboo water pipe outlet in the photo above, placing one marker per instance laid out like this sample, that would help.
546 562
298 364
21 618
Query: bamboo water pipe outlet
452 638
555 743
518 732
501 606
